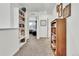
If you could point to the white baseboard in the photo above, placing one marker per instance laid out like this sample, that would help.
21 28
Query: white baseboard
22 44
18 49
15 52
44 38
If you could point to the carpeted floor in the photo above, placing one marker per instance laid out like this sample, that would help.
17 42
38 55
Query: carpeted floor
36 47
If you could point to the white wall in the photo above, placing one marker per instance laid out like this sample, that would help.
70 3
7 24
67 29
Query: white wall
38 29
4 15
15 17
8 15
8 41
43 29
8 36
27 25
50 19
73 31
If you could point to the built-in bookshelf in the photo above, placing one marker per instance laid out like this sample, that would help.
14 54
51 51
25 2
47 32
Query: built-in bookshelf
53 37
58 37
22 12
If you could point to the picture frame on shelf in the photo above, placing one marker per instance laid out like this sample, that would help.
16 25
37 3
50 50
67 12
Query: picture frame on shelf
59 9
67 11
23 32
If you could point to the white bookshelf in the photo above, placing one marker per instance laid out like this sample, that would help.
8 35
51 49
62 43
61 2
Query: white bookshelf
22 36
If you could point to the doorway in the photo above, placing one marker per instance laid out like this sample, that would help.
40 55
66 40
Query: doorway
32 28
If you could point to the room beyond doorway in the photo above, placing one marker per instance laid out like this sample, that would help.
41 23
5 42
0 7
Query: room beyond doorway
32 27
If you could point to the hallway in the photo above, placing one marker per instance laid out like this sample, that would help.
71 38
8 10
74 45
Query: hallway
34 47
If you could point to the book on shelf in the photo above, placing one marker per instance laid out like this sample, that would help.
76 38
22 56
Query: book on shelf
53 45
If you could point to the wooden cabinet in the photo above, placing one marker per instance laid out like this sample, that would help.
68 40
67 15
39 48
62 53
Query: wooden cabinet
58 37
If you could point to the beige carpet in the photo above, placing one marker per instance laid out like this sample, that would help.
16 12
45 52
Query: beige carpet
36 47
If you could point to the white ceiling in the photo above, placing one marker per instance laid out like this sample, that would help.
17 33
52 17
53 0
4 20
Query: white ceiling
37 7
